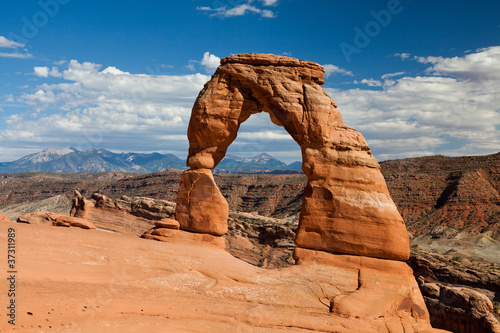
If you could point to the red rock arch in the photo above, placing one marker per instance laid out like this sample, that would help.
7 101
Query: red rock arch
346 206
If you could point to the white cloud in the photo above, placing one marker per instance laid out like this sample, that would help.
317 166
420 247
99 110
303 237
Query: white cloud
210 62
369 82
402 55
55 72
60 62
105 108
482 65
270 2
390 75
16 55
242 9
191 65
10 44
332 69
453 111
5 43
41 71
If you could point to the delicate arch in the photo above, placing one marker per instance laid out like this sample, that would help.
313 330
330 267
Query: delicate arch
346 206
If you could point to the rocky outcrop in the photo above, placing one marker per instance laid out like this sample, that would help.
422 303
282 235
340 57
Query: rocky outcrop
459 309
55 220
346 205
458 294
79 206
126 215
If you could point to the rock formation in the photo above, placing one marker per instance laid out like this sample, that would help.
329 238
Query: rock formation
346 206
460 309
79 208
55 220
348 219
126 215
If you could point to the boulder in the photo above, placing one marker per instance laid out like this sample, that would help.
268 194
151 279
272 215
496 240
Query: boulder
167 223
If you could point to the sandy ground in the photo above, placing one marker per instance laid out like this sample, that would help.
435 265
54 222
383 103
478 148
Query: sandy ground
74 280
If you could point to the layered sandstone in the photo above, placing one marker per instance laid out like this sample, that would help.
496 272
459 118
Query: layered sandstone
346 205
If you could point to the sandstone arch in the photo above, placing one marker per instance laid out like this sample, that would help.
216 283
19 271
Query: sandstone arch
346 206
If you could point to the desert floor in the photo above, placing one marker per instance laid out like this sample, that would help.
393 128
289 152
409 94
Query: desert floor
75 280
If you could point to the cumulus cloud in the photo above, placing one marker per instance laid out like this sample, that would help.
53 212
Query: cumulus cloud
332 69
41 71
241 10
111 108
481 65
453 110
210 62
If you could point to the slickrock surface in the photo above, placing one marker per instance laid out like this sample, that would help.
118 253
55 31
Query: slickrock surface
346 205
73 280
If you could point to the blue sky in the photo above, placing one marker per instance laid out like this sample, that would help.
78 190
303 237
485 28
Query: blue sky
414 77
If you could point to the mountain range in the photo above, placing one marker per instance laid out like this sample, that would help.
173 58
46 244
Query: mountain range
102 160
